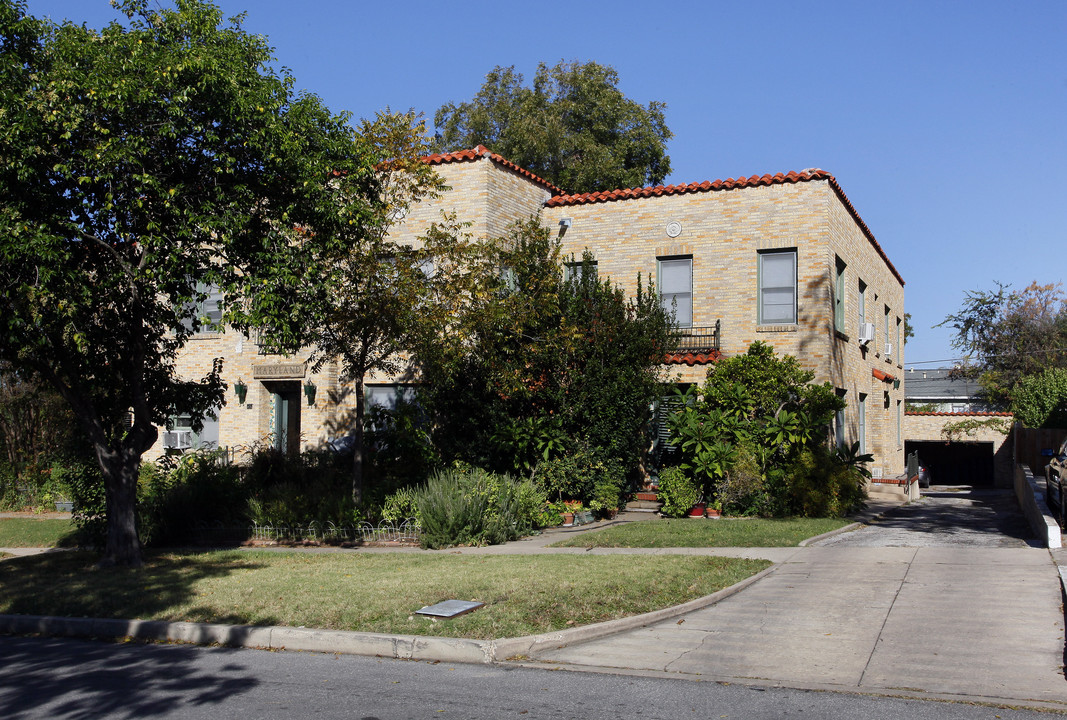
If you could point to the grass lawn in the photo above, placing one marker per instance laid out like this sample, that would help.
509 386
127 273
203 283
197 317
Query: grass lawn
689 532
35 532
524 595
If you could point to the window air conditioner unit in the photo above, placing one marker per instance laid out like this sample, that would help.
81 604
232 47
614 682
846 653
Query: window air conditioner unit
866 333
889 350
178 439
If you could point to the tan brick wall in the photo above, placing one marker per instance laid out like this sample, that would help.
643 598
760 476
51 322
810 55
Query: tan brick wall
242 426
724 232
488 196
929 427
484 194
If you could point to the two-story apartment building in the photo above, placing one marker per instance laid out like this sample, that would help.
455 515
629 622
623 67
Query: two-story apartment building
785 259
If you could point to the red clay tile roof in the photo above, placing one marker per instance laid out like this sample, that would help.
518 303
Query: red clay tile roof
560 199
975 413
692 359
481 151
729 184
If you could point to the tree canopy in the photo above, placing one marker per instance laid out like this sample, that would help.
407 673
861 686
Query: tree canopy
140 166
547 365
1016 341
572 126
380 295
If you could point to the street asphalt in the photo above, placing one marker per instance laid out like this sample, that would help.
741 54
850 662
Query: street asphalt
946 597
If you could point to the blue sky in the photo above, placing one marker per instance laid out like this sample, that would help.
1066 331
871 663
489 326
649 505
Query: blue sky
943 121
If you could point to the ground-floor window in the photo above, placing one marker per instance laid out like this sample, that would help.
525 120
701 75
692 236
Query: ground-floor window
180 435
861 407
839 423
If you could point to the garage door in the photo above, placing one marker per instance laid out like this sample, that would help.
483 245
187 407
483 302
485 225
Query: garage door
956 463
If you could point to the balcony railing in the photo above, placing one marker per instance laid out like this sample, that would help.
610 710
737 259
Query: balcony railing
695 339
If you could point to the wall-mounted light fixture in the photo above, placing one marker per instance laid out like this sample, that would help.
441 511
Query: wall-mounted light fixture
564 223
309 392
241 390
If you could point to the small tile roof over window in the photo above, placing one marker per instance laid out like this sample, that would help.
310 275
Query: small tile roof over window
691 359
936 385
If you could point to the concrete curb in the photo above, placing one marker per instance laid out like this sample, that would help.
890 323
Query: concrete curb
839 531
403 647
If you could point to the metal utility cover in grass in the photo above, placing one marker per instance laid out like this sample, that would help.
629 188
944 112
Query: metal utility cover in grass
450 608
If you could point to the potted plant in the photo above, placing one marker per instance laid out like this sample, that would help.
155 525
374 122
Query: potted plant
698 509
715 509
570 510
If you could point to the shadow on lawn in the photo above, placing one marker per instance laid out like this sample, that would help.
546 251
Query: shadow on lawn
76 679
69 584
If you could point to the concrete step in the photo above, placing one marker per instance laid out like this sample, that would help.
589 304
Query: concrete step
643 506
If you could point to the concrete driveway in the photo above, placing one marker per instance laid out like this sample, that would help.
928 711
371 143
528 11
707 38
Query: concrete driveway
967 611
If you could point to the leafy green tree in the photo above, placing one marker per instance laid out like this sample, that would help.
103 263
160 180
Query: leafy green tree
573 127
549 366
142 164
1011 335
36 429
1040 400
379 296
761 385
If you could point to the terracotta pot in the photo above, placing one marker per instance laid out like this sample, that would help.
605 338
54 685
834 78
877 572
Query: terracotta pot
697 510
568 518
713 513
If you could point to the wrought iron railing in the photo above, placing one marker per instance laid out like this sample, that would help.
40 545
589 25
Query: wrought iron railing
691 339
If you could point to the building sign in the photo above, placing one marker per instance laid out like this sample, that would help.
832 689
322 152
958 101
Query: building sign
279 371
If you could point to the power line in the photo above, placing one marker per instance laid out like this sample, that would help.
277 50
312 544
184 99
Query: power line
989 357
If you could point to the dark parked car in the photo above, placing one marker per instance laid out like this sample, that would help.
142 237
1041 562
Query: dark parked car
1055 473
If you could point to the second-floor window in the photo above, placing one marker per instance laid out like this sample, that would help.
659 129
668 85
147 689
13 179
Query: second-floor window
573 271
888 338
676 288
778 287
839 295
207 309
861 306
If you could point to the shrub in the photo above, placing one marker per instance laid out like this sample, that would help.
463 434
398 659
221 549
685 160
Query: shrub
567 476
397 450
186 493
401 505
677 491
742 490
86 487
819 485
583 476
476 508
296 491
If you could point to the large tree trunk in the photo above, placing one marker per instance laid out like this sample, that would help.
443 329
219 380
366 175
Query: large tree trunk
120 470
357 445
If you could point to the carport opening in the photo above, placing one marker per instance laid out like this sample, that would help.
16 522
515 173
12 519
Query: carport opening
955 463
